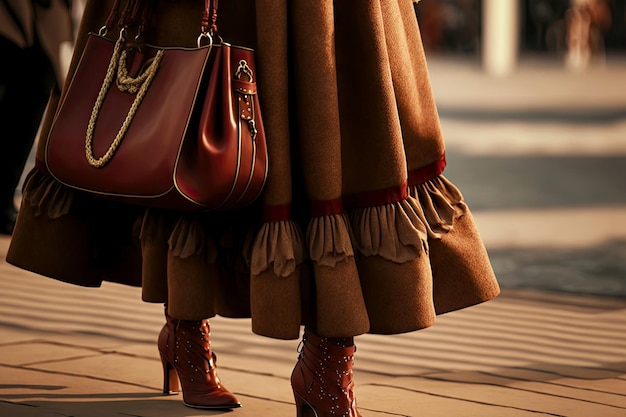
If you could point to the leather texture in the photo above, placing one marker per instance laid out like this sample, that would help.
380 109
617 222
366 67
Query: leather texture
322 379
185 350
196 141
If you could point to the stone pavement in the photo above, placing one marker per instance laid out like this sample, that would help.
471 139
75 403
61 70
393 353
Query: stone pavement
553 344
84 352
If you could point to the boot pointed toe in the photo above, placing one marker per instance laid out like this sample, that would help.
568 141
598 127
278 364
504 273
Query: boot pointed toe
189 363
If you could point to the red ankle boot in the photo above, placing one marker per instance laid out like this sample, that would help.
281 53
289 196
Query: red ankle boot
186 354
322 378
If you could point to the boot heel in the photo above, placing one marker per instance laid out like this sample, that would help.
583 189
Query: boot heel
304 409
188 342
328 396
170 378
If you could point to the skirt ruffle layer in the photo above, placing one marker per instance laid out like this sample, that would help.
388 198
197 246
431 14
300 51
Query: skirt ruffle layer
384 269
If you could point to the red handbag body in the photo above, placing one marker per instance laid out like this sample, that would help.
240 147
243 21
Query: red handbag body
195 141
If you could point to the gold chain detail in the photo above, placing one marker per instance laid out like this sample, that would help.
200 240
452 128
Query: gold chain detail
145 79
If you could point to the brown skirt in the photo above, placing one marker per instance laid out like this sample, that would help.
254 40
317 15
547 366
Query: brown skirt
357 229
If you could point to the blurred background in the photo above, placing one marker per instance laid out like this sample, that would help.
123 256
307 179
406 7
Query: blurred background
456 26
532 99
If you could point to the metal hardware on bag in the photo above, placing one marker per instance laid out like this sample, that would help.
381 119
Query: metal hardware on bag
114 130
248 113
204 35
252 128
243 68
145 79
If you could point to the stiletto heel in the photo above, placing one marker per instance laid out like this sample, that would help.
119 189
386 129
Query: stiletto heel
188 342
322 378
303 408
171 385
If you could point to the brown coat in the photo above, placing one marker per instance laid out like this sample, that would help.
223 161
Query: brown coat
356 231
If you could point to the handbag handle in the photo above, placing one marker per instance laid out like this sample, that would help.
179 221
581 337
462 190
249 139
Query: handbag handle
209 18
130 17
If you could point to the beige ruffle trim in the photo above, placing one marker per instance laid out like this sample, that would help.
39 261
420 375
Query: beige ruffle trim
189 238
329 240
154 226
399 232
395 232
185 235
440 203
278 245
47 196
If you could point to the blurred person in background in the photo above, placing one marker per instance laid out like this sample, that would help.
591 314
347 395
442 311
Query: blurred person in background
587 23
32 36
546 21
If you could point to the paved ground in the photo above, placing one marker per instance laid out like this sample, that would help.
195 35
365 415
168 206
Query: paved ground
70 351
539 157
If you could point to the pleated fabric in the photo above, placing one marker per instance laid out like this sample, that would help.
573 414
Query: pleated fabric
357 229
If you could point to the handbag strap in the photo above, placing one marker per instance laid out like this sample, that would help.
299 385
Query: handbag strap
133 16
130 17
136 14
209 17
111 19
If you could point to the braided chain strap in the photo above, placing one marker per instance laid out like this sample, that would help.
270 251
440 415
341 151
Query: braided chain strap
125 83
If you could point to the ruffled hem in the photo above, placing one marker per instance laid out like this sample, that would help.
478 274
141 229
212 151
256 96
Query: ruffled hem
399 232
395 231
329 240
189 238
154 226
278 245
185 236
440 203
47 196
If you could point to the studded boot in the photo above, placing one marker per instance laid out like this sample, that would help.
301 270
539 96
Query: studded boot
322 379
186 355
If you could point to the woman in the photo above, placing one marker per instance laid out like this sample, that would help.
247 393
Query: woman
356 231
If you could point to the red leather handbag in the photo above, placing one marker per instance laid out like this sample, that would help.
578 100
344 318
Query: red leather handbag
168 127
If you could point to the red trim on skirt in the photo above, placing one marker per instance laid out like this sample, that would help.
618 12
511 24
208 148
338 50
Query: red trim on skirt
374 198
